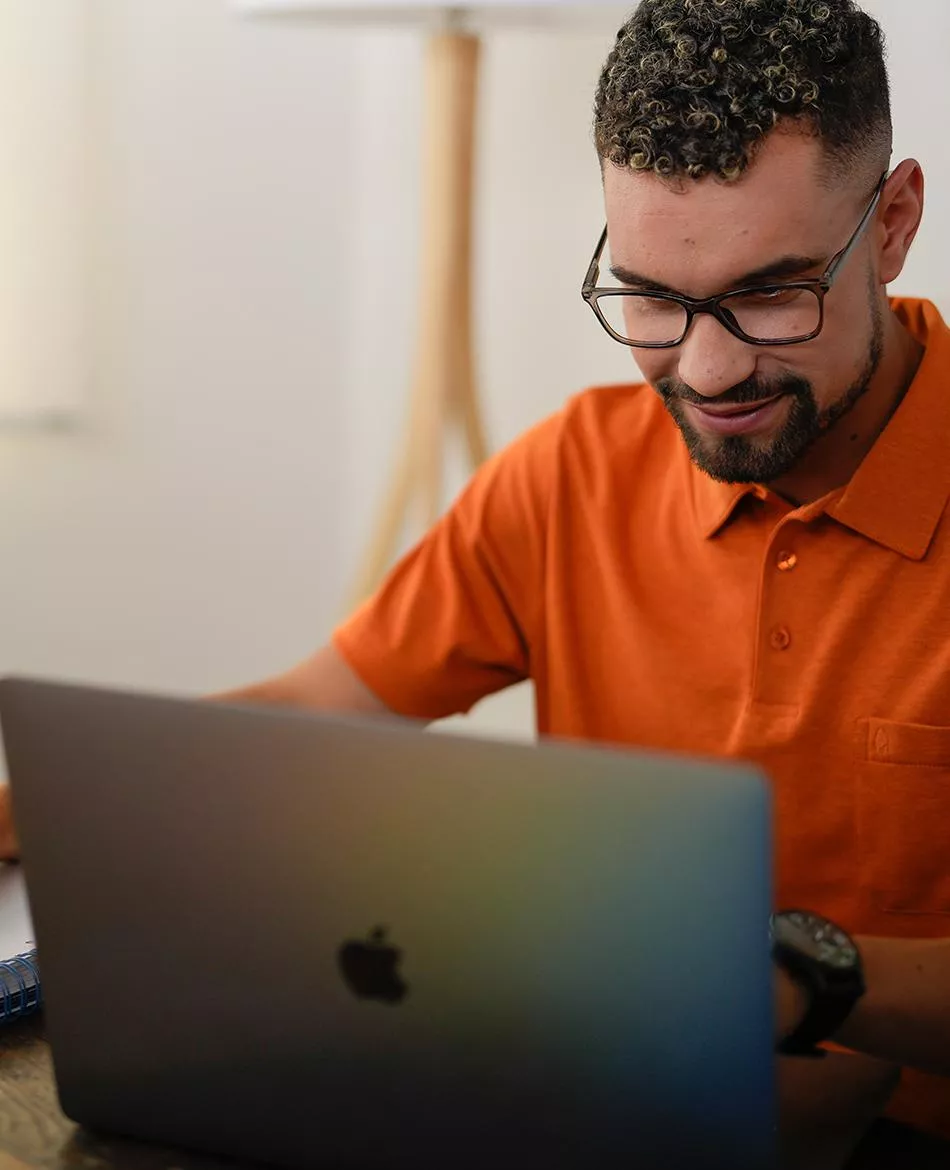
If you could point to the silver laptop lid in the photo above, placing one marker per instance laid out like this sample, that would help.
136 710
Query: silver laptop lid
219 894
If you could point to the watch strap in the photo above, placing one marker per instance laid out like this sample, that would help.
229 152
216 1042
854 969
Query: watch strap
831 999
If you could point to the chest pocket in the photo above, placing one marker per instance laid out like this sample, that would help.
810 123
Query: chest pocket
903 814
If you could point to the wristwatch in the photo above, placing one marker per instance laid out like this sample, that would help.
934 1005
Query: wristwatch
825 961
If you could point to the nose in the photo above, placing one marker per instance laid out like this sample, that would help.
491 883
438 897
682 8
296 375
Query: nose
712 360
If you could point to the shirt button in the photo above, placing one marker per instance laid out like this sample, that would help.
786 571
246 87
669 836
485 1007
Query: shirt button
780 638
787 561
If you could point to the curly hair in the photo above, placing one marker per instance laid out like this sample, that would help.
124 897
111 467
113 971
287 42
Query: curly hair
693 87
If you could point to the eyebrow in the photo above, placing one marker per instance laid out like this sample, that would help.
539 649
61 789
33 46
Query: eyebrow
784 267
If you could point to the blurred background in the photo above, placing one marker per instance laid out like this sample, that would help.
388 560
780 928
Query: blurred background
244 233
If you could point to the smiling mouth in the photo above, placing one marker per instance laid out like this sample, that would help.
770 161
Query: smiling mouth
745 418
738 409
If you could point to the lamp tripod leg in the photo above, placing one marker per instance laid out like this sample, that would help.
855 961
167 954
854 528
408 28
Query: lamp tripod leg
444 383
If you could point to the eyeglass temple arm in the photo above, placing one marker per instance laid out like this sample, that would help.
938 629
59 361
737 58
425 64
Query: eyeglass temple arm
590 280
842 256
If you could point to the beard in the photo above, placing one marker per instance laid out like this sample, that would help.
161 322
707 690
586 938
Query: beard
738 459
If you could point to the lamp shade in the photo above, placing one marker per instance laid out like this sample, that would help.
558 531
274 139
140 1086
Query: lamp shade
429 12
42 209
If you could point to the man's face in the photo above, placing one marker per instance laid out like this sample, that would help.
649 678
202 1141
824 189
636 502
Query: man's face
749 413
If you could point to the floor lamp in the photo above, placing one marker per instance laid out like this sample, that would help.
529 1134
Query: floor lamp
444 394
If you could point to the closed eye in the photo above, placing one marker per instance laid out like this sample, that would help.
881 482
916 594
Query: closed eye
774 295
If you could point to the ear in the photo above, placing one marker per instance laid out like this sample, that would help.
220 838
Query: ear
902 206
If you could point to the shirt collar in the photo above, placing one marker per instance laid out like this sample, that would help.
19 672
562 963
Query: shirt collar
715 503
900 491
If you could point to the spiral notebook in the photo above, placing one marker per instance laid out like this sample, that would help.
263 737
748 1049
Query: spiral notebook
20 992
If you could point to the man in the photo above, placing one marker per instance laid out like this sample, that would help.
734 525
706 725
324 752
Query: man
747 556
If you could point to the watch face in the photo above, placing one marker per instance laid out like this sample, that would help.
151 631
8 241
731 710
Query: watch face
816 937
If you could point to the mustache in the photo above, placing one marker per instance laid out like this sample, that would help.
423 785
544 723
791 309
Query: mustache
750 391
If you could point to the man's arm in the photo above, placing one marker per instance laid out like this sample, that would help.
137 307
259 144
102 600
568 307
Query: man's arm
904 1018
323 682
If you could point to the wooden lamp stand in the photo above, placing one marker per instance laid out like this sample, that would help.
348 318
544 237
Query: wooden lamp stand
444 394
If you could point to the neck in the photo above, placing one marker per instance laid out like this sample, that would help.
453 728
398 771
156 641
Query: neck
838 454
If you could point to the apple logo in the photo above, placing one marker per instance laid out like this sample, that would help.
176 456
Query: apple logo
369 968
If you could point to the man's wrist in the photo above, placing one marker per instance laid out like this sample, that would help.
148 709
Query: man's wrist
791 1003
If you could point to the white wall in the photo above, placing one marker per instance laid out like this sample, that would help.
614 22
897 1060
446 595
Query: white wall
202 527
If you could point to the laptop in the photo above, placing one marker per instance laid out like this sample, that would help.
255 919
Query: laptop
321 941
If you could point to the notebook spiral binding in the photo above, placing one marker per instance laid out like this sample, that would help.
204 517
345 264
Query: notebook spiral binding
20 993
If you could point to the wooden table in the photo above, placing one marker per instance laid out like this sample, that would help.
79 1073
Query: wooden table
35 1134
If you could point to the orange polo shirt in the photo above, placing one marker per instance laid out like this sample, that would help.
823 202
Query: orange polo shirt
655 607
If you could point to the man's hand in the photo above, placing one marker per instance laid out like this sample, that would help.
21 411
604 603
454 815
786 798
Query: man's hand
9 845
827 1106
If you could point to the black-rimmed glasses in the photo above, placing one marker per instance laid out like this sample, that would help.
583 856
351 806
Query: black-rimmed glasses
764 314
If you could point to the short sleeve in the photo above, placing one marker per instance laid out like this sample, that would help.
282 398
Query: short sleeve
457 618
